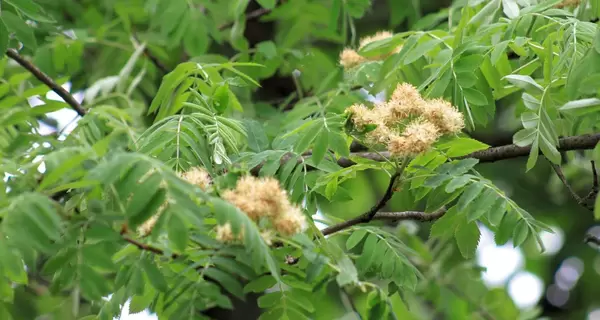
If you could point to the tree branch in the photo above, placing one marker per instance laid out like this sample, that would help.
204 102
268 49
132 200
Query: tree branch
367 216
562 178
582 142
410 215
592 239
13 54
145 247
255 14
387 216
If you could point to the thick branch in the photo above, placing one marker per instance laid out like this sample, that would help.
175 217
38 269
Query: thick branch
387 216
582 142
13 54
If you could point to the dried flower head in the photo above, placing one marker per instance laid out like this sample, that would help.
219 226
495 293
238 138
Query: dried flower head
427 121
350 58
417 137
290 222
258 197
225 233
146 228
198 176
567 3
380 35
444 116
267 236
361 115
405 101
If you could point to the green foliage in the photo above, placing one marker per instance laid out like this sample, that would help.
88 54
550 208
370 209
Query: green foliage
255 88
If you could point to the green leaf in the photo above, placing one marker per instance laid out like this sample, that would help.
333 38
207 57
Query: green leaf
520 234
320 147
496 212
510 8
524 82
260 284
467 237
337 143
485 12
177 232
348 273
23 32
257 138
456 183
525 137
221 98
481 205
270 299
30 9
582 106
475 97
3 39
446 225
307 136
498 51
355 238
155 277
420 50
468 64
462 146
267 48
470 193
267 4
227 281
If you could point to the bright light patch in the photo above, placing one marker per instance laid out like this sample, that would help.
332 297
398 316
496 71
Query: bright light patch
500 261
568 274
553 242
557 296
144 315
525 289
594 315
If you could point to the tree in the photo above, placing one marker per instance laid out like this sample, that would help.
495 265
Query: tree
213 138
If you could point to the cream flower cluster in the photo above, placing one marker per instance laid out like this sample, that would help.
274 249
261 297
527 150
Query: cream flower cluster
263 198
197 176
426 121
349 58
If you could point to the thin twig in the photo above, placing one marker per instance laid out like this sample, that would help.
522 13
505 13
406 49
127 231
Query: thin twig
562 178
480 309
249 16
40 75
367 216
145 247
592 239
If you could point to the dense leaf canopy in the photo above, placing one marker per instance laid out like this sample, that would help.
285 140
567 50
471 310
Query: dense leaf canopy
302 159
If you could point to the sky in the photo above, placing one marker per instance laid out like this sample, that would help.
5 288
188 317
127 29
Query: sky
504 264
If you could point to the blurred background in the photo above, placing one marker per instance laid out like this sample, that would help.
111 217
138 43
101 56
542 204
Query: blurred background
564 281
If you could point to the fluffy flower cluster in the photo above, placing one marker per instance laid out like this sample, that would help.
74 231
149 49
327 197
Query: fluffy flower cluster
567 3
262 199
197 176
349 58
423 121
